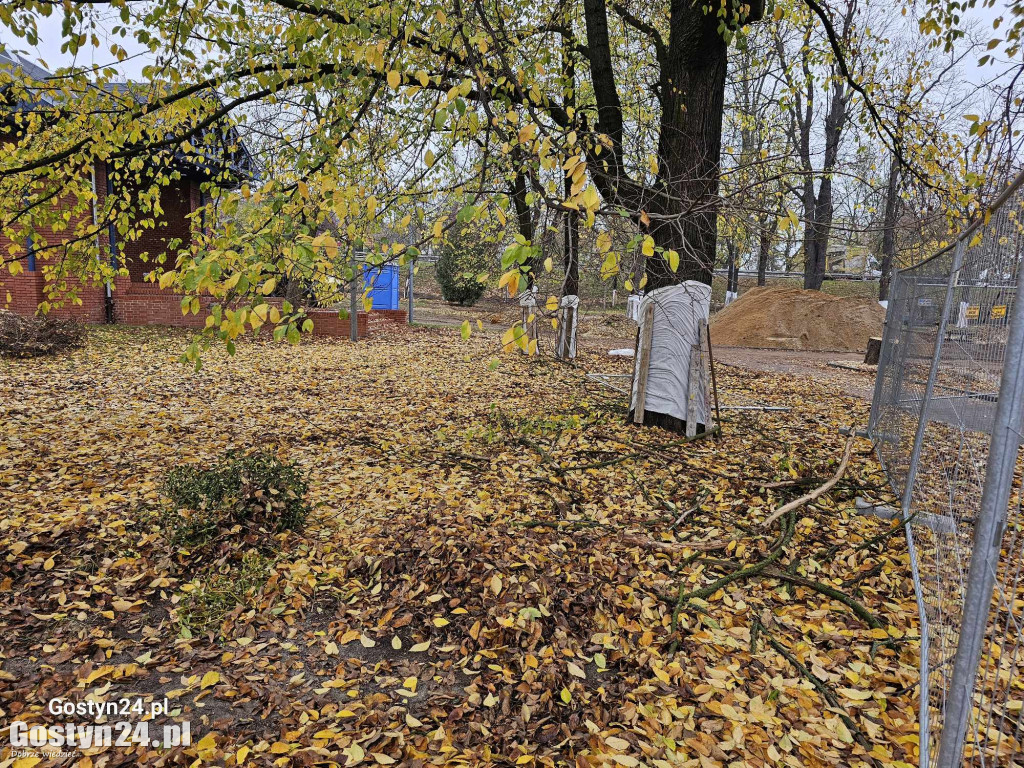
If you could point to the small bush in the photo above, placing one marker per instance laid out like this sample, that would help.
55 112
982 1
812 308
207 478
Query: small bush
459 268
256 490
37 336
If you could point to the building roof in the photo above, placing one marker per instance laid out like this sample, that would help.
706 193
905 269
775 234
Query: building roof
17 64
231 153
17 61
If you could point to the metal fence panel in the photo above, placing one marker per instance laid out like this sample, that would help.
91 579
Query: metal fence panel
948 365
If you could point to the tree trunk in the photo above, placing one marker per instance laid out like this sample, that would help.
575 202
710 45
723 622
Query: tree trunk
732 283
889 229
680 211
815 246
524 220
571 218
685 215
568 311
571 259
765 235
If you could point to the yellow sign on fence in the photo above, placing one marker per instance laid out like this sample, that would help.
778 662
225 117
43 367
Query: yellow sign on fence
973 312
998 311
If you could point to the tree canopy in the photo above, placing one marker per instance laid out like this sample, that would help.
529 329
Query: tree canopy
366 123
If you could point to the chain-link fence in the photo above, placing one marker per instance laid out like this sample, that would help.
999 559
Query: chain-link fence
946 422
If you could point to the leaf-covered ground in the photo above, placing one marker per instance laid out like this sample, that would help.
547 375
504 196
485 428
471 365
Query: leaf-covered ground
492 573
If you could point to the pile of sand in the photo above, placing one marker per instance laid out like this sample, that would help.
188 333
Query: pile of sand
790 318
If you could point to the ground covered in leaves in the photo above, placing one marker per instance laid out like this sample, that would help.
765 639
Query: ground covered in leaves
496 569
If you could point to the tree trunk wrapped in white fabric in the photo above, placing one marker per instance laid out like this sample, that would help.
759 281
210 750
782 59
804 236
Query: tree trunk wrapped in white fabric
568 320
675 329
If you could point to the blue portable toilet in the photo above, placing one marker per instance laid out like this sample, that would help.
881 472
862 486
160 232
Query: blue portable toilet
382 282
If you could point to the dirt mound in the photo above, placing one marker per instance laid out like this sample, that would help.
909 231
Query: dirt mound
789 318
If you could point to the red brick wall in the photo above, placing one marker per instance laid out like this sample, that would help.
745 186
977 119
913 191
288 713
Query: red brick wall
136 302
27 289
146 304
178 199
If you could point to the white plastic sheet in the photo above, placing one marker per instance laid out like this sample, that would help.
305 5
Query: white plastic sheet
678 310
961 318
633 308
567 329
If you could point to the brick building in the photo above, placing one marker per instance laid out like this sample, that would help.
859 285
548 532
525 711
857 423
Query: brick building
130 298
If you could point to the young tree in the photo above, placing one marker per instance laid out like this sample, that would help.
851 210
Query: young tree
815 75
758 166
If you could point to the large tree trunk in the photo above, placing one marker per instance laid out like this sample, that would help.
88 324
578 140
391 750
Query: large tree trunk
818 225
680 212
889 229
818 207
684 214
766 233
815 250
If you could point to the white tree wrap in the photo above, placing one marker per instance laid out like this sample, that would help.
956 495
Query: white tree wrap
568 321
678 310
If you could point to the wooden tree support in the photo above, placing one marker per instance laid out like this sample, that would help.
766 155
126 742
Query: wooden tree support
714 382
567 318
643 362
530 328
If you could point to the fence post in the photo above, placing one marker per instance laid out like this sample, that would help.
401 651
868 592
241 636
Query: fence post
922 422
409 293
908 492
357 274
988 534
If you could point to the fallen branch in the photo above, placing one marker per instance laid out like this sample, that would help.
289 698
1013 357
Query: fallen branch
825 589
668 546
687 512
822 688
791 483
789 530
817 492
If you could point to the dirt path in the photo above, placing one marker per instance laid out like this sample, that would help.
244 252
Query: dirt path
813 364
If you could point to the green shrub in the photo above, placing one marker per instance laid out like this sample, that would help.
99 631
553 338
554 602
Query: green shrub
255 490
461 271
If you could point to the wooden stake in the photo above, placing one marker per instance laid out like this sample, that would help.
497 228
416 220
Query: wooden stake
714 382
705 373
692 388
643 362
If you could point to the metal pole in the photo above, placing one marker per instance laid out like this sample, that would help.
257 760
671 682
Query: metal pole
353 313
988 535
412 300
908 491
883 356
